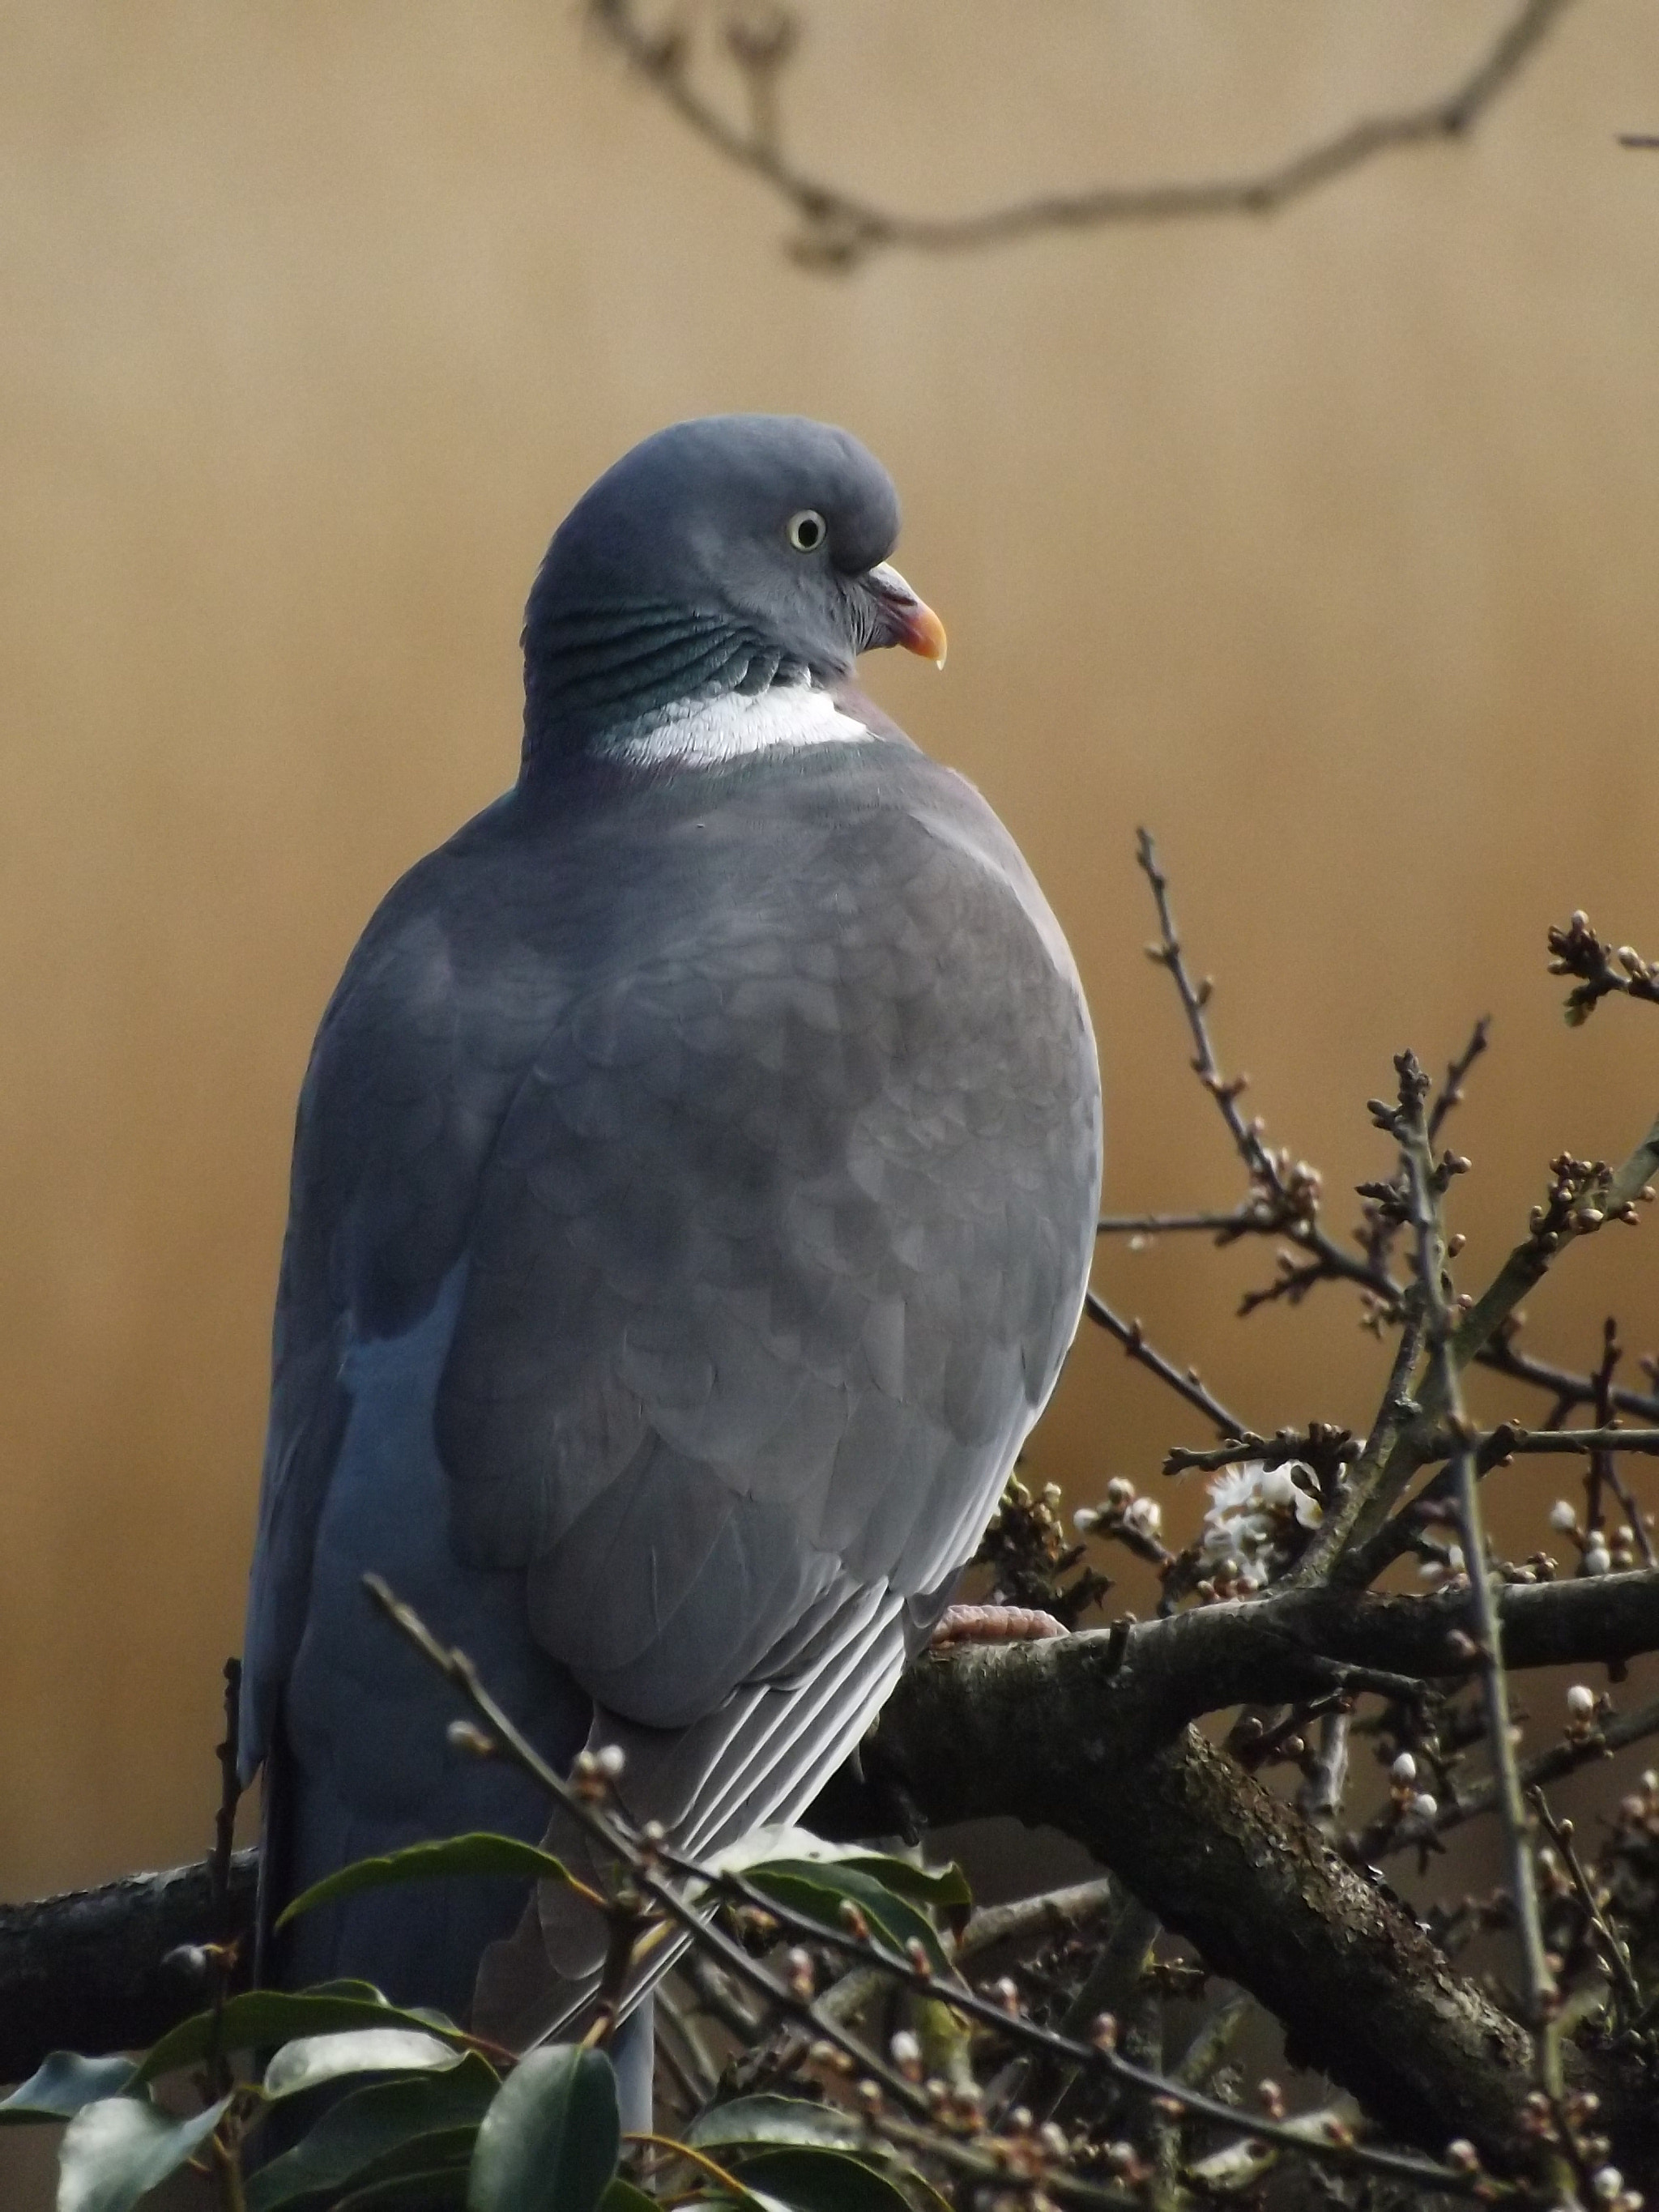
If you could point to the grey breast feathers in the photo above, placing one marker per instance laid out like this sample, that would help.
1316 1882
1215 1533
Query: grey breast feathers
781 1238
766 1128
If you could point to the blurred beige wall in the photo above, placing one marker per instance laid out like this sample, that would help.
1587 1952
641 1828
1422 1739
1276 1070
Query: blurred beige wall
1327 546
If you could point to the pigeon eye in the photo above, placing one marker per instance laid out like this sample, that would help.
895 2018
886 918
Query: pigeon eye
807 530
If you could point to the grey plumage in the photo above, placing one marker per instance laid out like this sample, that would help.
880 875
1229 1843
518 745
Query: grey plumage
693 1192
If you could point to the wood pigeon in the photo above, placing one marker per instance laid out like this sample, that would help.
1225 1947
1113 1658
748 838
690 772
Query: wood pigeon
693 1192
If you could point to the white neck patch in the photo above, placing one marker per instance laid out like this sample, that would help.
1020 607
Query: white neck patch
705 732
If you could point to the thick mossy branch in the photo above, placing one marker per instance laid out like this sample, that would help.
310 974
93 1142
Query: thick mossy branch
90 1970
1362 1991
1088 1734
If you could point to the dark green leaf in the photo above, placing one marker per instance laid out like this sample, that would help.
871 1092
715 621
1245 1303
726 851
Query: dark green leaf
442 2188
944 1887
118 2149
417 2124
549 2142
271 2016
310 2059
456 1855
734 2134
818 2180
622 2196
818 1890
775 2120
63 2083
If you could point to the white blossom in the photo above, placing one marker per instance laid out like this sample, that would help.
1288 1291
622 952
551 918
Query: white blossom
1433 1569
1252 1511
1404 1769
1144 1514
1581 1701
1563 1516
1598 1560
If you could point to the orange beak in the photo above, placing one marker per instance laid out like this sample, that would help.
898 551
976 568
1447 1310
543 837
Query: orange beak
906 620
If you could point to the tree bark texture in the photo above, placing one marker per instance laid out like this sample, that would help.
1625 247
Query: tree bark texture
1089 1734
88 1971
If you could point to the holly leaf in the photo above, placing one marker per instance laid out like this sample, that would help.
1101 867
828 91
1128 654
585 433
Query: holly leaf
259 2018
550 2140
309 2059
424 2123
456 1854
117 2150
61 2084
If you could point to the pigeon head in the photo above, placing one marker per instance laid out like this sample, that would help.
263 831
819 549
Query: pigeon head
722 556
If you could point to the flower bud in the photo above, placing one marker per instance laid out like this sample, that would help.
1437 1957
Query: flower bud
906 2053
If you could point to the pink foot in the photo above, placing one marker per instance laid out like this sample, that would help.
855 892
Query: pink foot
994 1624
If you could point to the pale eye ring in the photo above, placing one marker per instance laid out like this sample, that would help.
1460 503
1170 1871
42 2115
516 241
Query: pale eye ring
807 530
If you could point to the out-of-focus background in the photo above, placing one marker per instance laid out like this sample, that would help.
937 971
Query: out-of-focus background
1325 545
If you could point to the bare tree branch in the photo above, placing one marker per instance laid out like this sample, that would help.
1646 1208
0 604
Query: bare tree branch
1364 1992
1567 1385
1552 1766
1074 1722
840 228
1583 1196
1599 969
1189 1386
1427 1180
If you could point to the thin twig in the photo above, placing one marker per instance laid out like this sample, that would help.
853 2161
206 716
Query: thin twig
1321 1445
1284 1196
222 1952
1394 1417
1601 1458
1326 1784
1583 1196
1426 1183
1132 1337
717 1997
1600 969
840 228
1450 1094
1508 1440
1604 1473
615 1839
645 1861
699 2074
1552 1766
1227 1227
1569 1389
1618 1958
1055 1912
918 1977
